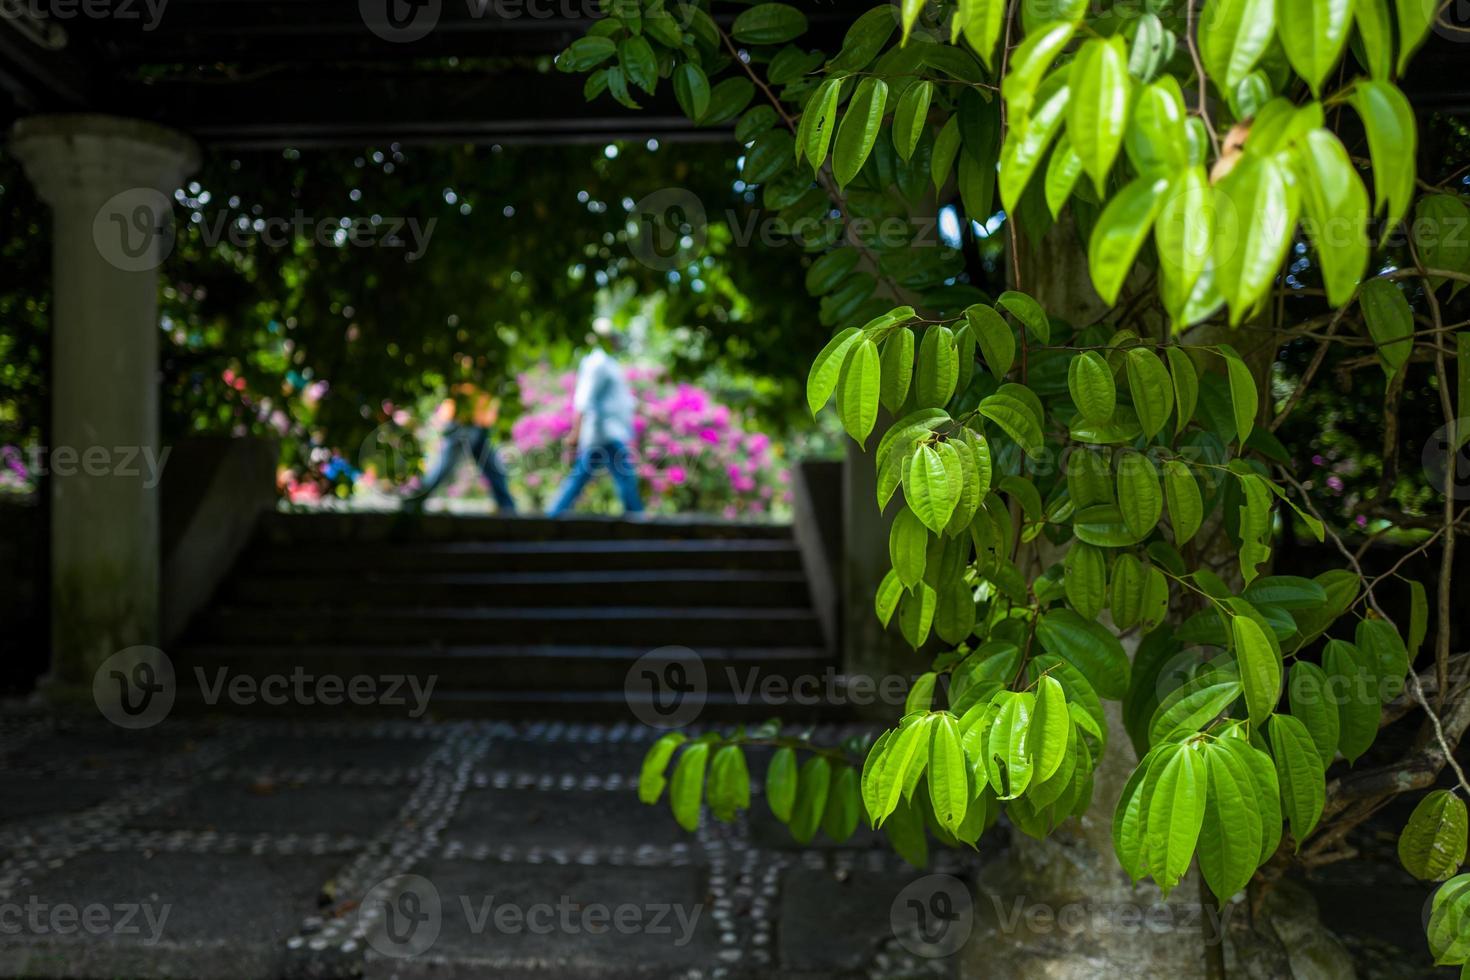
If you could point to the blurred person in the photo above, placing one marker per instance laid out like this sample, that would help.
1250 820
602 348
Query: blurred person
602 423
465 418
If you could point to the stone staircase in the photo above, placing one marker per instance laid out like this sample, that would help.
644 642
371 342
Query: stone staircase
518 616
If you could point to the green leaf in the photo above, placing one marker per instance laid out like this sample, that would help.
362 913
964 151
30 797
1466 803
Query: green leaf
916 614
1390 323
1028 312
691 89
1260 668
844 805
1051 724
818 122
651 781
1336 204
1128 817
939 367
1262 773
857 391
1415 17
1250 248
908 753
981 21
1120 232
1175 795
812 786
781 783
1432 846
1299 769
933 489
1418 617
1097 111
1151 389
1085 579
1384 654
949 776
687 789
858 130
1029 61
1354 697
1317 31
993 334
1233 34
1449 922
885 600
946 148
1062 171
729 783
865 38
586 53
1243 398
1192 705
1440 229
897 368
1181 493
727 100
1286 591
911 117
1376 35
1090 382
769 23
1007 761
1156 142
1089 647
908 543
636 56
1184 236
1139 498
1231 834
1392 146
822 380
1015 414
1311 702
1255 525
954 612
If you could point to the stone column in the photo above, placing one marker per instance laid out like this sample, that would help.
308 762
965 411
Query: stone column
109 183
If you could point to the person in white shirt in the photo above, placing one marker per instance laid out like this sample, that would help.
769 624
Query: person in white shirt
602 425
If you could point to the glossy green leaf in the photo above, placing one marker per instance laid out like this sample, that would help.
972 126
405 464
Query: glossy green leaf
911 117
651 781
949 775
1393 145
939 367
1311 702
1151 388
932 489
1031 59
769 23
1299 769
691 89
1176 791
687 789
1233 34
818 123
857 390
1354 695
1390 323
1097 112
812 786
1028 312
993 334
1090 382
1008 763
1432 846
1184 236
1089 647
1230 835
908 543
781 778
1415 17
1027 139
981 21
1250 246
858 130
896 361
1051 724
1336 206
1140 500
822 380
1120 233
1260 668
1316 31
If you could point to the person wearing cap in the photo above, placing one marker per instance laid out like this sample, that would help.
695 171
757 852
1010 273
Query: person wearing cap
602 424
465 418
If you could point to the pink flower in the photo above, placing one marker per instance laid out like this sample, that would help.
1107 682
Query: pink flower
676 474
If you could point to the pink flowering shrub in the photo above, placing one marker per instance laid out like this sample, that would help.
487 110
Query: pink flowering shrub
692 453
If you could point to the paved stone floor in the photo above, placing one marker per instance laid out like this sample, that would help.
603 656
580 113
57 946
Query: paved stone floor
263 849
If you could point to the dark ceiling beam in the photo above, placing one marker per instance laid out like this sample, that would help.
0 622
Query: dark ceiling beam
274 111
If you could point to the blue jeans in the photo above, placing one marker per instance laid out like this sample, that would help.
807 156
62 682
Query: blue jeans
475 441
614 457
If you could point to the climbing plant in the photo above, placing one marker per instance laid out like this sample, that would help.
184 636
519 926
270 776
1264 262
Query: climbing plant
1084 506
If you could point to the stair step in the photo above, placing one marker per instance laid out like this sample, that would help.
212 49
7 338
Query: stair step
285 528
465 667
677 586
649 626
527 556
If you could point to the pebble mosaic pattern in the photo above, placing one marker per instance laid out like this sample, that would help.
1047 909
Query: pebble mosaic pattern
509 802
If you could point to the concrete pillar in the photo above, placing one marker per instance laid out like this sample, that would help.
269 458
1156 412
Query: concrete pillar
109 183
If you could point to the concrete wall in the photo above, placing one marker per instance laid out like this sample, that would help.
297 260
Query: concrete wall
214 490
